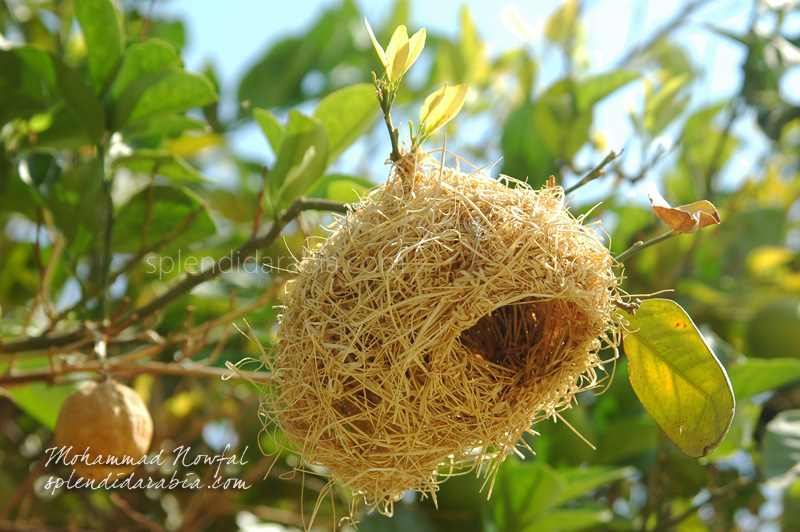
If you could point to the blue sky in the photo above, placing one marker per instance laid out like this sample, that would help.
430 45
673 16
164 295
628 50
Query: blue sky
235 33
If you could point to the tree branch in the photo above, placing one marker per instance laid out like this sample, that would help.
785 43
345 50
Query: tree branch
676 21
721 493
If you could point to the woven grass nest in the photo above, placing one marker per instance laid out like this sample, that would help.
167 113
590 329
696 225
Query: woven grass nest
441 317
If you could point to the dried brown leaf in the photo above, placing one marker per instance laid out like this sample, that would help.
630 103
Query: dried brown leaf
685 218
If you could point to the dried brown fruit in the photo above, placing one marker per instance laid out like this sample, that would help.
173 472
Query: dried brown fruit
110 423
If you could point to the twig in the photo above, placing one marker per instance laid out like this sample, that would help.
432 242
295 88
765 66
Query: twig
22 489
640 245
596 172
654 485
132 514
105 265
676 21
112 365
630 307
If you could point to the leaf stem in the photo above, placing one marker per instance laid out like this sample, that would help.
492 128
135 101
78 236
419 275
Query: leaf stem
640 245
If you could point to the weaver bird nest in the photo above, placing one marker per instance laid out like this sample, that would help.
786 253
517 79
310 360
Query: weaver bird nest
442 317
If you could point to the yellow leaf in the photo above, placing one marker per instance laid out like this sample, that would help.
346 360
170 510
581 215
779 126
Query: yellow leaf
441 106
562 23
685 218
415 44
397 53
188 145
765 261
376 44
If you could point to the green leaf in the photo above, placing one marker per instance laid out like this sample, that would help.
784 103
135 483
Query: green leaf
346 115
678 378
591 91
144 58
346 191
23 92
627 438
524 492
34 66
42 402
271 127
564 113
157 211
277 79
564 129
340 187
525 155
16 195
780 449
568 519
168 125
160 162
301 158
170 90
439 108
582 480
760 375
76 201
563 22
662 108
740 435
471 50
102 29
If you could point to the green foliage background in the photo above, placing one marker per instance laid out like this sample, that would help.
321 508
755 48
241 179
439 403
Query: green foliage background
102 177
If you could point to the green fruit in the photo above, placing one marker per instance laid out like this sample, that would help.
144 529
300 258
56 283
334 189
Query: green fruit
775 330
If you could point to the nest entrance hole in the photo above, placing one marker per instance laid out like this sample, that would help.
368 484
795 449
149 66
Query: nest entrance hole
525 337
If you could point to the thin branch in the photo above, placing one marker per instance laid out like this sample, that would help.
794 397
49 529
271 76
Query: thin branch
113 366
192 370
135 516
172 235
128 363
226 262
105 265
596 172
189 281
24 487
640 245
